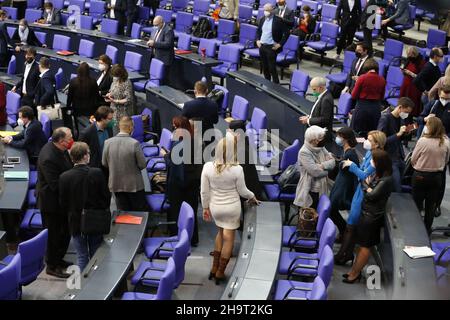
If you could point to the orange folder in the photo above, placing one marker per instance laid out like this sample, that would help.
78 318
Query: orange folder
128 219
65 53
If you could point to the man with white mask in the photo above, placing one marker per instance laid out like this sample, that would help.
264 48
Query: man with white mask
392 123
271 35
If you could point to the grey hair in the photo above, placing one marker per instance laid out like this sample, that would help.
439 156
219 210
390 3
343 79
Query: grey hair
314 133
268 6
319 82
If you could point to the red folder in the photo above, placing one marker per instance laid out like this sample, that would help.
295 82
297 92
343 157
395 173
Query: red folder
65 53
128 219
182 51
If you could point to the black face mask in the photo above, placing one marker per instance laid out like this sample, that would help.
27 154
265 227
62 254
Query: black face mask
321 143
358 54
29 60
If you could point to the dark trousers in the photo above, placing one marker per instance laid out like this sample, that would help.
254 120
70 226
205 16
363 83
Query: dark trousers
368 40
3 60
442 189
131 18
384 29
398 167
425 188
153 4
336 217
268 58
57 224
347 34
315 198
10 224
166 78
131 201
21 7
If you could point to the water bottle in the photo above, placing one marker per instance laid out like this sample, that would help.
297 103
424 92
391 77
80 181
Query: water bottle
227 112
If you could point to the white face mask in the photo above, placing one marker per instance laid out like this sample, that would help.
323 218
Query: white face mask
425 130
267 13
339 141
444 101
22 28
101 67
367 145
20 122
116 78
404 115
48 11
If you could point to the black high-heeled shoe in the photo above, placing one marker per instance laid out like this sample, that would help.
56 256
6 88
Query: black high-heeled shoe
358 278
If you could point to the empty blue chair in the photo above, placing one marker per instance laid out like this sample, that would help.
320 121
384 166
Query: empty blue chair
165 142
157 202
34 3
11 12
86 22
97 9
183 23
32 15
42 36
77 3
435 38
344 106
109 26
149 272
61 42
229 56
10 277
239 109
245 13
201 7
341 77
112 52
136 30
165 288
133 61
394 81
328 39
156 74
162 247
225 31
247 37
209 45
179 5
291 290
328 12
12 107
299 82
143 14
184 42
258 123
393 51
165 14
288 55
86 48
11 31
58 4
12 64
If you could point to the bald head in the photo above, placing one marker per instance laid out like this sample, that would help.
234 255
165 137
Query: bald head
318 85
158 21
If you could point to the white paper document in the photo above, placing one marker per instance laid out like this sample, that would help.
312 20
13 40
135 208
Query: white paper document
418 252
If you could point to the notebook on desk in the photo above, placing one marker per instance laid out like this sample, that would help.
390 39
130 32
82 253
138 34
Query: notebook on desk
65 53
183 51
16 175
128 219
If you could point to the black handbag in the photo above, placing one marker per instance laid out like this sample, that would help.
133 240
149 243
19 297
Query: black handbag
94 221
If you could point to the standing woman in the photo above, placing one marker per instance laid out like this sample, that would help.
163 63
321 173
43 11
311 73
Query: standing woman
82 97
341 194
105 79
376 194
121 95
412 68
429 158
375 141
222 185
368 94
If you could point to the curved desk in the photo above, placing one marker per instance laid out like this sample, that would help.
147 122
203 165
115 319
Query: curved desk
257 264
112 261
185 71
282 106
406 278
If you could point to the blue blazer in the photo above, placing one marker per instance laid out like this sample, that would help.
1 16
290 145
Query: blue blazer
45 91
32 139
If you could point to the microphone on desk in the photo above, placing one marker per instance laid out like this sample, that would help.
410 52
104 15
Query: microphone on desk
93 267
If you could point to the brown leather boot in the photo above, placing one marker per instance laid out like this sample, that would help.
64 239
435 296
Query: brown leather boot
220 274
215 265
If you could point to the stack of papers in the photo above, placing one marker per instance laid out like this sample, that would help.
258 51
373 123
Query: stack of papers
418 252
16 175
134 40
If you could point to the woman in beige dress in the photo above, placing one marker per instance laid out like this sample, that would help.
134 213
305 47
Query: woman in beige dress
222 185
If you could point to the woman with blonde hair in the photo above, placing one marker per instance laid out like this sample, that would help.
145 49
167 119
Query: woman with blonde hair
222 185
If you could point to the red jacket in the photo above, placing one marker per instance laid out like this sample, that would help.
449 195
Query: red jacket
369 86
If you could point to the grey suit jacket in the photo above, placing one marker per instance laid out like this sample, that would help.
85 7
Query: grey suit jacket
401 16
124 158
163 47
56 17
288 17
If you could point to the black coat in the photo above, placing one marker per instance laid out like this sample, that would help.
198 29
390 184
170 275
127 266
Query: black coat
31 139
4 38
250 173
163 47
32 81
280 33
32 40
374 203
323 114
288 17
119 11
390 125
83 102
45 90
443 113
52 162
353 72
344 16
202 109
106 82
90 136
427 78
341 195
74 196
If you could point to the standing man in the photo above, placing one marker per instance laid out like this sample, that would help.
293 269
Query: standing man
132 11
271 35
52 162
4 40
285 13
45 89
123 157
97 133
154 4
27 85
162 41
348 16
116 11
430 74
357 69
322 111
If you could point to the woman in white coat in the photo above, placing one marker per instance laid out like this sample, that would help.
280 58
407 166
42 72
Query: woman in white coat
222 185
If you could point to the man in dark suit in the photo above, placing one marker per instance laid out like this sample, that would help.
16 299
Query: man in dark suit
81 188
117 11
154 4
4 40
367 23
357 69
97 133
162 42
392 123
45 89
285 13
51 15
201 108
322 111
27 85
348 16
430 73
271 35
132 12
400 17
52 162
32 137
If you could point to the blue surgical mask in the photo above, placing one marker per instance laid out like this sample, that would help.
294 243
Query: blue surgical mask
339 141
